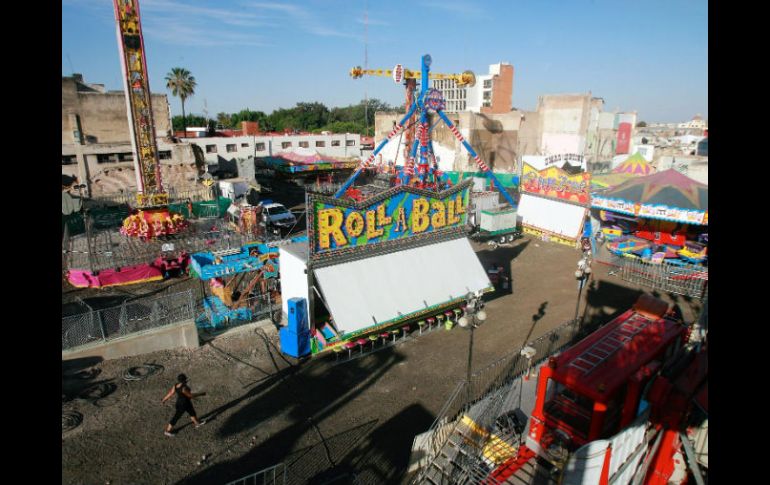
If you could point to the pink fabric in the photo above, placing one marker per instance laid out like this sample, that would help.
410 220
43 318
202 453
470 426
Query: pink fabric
297 158
110 277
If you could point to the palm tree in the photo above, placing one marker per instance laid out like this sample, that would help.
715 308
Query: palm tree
182 84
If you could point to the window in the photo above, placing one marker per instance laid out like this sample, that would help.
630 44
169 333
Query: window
285 144
335 143
125 157
211 148
260 147
320 143
244 145
350 143
273 211
567 408
487 95
106 158
304 144
164 155
487 83
68 159
231 147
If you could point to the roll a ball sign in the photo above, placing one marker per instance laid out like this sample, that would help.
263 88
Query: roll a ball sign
402 214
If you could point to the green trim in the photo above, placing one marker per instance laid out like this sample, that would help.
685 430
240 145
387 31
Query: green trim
496 233
342 339
508 211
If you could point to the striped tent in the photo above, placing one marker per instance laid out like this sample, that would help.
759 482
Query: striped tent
634 165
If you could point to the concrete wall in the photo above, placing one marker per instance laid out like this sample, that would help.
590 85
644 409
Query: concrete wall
182 334
495 137
564 122
181 171
103 116
265 146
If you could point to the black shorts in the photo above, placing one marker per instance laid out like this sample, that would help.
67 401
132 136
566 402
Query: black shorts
180 410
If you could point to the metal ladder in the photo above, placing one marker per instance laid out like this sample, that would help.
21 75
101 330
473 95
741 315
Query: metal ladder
606 347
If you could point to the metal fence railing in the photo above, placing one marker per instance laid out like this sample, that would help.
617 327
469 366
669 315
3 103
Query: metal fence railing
98 250
251 310
491 379
274 475
688 279
197 194
130 317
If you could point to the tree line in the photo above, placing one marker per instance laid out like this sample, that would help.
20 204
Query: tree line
308 117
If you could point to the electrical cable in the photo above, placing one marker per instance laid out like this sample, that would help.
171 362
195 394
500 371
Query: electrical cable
142 372
96 392
70 420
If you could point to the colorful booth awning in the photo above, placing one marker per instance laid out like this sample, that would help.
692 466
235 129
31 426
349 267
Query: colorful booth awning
634 165
667 195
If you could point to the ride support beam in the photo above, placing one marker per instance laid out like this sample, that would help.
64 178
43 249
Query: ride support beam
483 166
396 130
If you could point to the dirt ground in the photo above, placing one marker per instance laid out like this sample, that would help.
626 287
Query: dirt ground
324 420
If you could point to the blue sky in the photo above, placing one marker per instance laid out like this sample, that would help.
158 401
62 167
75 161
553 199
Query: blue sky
651 57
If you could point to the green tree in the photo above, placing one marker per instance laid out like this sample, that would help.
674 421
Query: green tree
182 84
641 124
180 124
225 120
248 115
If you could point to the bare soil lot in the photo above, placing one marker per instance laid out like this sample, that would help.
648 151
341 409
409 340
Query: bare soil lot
321 418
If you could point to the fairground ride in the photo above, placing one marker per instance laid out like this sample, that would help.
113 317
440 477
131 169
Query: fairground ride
422 172
153 218
408 78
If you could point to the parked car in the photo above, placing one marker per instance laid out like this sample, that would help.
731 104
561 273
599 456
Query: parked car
278 215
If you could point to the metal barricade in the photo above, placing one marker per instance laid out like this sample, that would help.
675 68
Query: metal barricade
682 279
274 475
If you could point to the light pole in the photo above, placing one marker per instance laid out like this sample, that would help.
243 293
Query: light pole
473 309
582 274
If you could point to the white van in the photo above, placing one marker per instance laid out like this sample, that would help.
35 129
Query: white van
278 215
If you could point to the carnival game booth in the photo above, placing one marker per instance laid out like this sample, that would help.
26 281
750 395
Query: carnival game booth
373 271
239 283
554 204
659 217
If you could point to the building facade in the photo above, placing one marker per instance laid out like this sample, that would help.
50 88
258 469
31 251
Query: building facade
96 141
492 93
567 124
230 149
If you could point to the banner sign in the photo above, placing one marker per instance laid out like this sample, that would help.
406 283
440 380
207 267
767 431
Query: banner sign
556 183
565 157
624 138
651 211
397 214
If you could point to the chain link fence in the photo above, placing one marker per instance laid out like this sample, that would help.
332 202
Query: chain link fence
130 317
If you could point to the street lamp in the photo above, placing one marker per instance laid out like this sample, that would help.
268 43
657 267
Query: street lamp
582 274
473 309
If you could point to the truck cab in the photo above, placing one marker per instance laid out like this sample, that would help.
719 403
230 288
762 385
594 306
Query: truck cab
594 389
